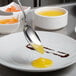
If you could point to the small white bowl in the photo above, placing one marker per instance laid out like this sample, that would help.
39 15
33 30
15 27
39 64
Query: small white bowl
50 22
9 28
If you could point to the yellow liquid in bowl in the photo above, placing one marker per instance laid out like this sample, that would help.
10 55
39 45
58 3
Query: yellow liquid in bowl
42 63
9 21
51 13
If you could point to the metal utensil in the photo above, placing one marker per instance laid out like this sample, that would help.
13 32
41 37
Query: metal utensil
30 33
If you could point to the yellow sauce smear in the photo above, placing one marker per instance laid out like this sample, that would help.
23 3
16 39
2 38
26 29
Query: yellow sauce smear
42 63
51 13
38 48
8 21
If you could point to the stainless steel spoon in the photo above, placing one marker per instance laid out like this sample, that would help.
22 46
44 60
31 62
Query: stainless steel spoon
30 34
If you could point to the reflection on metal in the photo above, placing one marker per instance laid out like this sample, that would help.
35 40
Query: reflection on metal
37 3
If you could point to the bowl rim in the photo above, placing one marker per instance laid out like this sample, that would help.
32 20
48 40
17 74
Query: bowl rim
10 16
36 10
8 24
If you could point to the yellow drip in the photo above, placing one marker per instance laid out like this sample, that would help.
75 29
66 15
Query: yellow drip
42 63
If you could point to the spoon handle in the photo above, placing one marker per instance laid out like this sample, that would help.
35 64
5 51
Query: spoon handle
20 5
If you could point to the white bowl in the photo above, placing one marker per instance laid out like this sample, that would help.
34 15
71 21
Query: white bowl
9 28
50 22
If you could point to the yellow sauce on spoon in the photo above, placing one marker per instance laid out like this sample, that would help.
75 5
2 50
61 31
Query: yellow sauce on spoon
38 48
